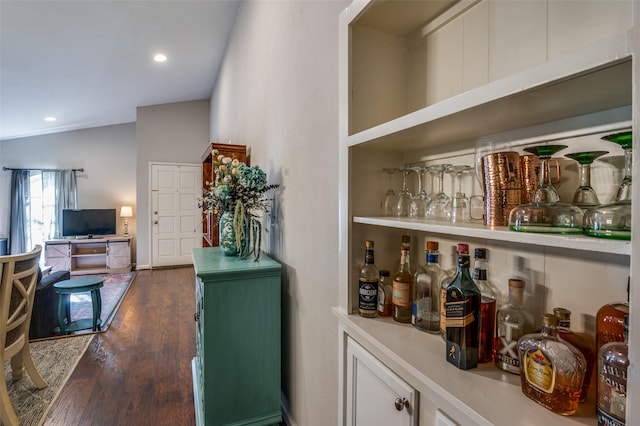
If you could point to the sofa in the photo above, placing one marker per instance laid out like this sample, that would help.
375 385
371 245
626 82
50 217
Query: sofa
44 317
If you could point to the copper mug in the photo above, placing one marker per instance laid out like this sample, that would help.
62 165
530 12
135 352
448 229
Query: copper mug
502 184
530 174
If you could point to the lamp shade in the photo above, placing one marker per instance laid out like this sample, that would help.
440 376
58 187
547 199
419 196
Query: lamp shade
126 211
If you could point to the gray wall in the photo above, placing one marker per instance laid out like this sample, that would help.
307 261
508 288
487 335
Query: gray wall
278 93
169 133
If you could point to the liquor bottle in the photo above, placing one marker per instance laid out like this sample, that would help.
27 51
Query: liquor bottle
512 322
613 361
403 285
463 315
552 370
580 342
385 292
488 307
610 323
426 294
368 283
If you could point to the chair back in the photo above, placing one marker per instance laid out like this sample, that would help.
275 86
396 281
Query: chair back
18 280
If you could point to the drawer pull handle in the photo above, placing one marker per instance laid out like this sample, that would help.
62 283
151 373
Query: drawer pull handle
401 403
196 317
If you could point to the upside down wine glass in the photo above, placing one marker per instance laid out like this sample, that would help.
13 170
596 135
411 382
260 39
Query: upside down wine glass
390 202
546 214
614 220
404 197
419 202
437 207
585 196
458 207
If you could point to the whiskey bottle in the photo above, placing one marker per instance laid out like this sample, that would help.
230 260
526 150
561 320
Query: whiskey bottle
512 322
368 284
463 315
610 323
385 292
613 362
552 370
403 285
488 307
426 295
580 342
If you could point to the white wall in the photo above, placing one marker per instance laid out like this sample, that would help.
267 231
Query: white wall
278 93
169 133
108 155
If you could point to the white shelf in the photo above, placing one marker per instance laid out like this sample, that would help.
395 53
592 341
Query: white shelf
516 102
572 242
485 390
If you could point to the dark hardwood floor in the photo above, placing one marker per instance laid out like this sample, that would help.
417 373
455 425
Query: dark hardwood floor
139 371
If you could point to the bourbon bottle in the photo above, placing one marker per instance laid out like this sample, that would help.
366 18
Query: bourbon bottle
552 370
463 315
613 362
368 284
488 306
385 292
512 322
403 285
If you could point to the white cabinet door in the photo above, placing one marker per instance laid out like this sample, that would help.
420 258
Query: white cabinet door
373 391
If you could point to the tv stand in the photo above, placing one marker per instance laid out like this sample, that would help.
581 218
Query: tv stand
111 255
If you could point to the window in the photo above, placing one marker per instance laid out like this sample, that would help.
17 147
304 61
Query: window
41 224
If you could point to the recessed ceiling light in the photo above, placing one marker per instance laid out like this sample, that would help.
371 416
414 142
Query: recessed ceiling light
50 118
160 57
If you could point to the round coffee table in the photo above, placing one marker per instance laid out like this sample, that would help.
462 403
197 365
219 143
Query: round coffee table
79 285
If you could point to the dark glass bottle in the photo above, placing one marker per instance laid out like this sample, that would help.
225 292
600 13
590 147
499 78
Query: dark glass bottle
403 285
463 315
368 284
488 307
580 342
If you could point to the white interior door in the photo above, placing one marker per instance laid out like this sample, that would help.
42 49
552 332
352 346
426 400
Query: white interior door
175 215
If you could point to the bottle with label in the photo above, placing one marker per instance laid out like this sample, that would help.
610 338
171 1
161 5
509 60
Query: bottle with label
463 315
552 370
385 293
368 284
613 362
426 294
403 285
512 322
488 307
610 323
580 342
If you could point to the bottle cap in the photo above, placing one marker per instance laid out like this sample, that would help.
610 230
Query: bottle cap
406 242
550 319
368 244
432 245
516 283
480 253
385 273
562 313
462 248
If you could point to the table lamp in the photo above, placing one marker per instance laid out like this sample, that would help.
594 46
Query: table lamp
126 212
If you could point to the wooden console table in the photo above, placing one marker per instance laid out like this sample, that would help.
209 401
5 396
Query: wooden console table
89 256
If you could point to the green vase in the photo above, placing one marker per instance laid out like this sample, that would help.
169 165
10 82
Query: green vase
228 236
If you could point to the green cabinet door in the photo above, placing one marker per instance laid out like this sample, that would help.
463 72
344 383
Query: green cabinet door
237 365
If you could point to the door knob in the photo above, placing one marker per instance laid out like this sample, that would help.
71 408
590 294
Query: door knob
155 222
401 403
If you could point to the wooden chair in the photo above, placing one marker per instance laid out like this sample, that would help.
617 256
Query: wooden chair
19 276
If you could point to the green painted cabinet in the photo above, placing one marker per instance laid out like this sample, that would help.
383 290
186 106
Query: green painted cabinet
236 370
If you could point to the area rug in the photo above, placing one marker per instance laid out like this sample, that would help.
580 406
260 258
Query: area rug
55 360
114 289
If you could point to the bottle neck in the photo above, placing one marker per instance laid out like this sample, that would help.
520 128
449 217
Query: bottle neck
433 258
516 296
549 330
404 260
564 323
463 265
368 256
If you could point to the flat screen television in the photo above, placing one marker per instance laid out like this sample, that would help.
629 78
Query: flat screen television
88 222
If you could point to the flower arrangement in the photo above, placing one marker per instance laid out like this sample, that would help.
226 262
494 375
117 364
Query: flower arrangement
238 190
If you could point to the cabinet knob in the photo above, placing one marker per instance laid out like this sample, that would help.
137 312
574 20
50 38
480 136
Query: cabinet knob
401 403
196 317
155 222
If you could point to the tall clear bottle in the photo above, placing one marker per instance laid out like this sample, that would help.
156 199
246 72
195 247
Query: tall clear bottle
512 322
613 362
368 284
426 294
552 370
585 346
403 285
463 315
488 307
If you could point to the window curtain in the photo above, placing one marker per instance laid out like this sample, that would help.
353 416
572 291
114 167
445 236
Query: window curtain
66 194
20 212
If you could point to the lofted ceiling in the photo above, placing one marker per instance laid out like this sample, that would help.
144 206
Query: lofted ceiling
90 63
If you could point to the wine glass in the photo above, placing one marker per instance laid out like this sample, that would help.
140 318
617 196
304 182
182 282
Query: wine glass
546 213
437 207
613 220
458 207
404 197
390 202
419 202
585 196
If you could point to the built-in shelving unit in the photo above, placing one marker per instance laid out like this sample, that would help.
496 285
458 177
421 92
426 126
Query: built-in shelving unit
423 81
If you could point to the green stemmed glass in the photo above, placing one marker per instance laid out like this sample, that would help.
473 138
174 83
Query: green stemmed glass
585 196
546 214
613 220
